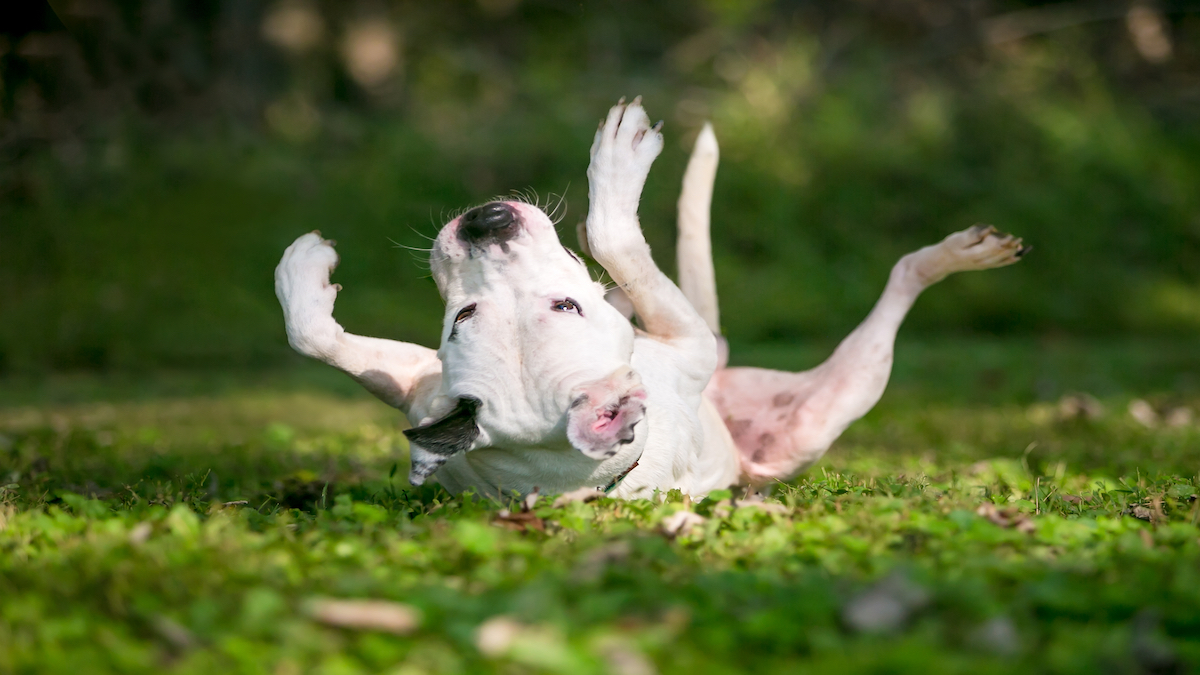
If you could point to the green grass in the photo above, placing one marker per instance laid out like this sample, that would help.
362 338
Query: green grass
124 545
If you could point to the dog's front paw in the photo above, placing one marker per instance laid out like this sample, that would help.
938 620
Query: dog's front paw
603 414
622 152
303 288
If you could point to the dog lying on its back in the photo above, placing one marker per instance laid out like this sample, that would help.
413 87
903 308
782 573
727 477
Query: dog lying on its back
542 383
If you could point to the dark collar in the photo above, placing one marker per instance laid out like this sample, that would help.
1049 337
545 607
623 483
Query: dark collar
612 484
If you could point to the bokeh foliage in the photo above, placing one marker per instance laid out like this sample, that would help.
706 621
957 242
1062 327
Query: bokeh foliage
159 157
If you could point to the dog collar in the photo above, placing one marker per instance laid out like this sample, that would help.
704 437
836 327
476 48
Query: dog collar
612 484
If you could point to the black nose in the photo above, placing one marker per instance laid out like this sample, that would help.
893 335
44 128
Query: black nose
487 221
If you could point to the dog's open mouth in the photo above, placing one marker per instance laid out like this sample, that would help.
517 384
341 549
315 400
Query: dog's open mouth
431 445
609 417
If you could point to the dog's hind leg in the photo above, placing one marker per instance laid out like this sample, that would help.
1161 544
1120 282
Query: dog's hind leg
784 422
400 374
693 251
694 247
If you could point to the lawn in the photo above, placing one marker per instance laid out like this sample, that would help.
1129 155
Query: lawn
973 522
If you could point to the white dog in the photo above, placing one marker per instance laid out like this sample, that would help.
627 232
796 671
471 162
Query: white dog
543 383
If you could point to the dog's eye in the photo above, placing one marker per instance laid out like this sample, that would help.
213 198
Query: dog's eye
465 313
566 305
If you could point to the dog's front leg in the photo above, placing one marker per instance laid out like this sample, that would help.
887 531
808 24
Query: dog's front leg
400 374
625 147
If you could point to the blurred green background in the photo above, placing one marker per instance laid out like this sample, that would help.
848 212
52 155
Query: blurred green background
157 157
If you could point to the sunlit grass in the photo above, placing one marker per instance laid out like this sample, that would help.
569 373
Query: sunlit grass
194 531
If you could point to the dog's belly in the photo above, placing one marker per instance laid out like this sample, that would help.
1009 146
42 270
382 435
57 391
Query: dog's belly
718 466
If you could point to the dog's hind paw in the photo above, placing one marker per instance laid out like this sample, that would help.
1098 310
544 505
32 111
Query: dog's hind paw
983 247
978 247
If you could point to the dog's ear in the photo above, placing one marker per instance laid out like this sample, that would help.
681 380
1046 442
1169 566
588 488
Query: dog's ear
603 414
434 443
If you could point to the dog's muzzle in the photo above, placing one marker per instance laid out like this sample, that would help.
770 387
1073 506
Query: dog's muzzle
491 223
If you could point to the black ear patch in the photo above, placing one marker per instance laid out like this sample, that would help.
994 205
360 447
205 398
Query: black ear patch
431 445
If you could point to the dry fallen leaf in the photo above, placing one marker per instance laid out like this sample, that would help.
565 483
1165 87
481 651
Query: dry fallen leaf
529 501
1143 412
680 522
1141 512
593 564
140 533
1147 538
1180 417
382 615
521 520
1075 406
1006 517
624 658
769 507
583 494
525 519
1151 513
751 500
723 510
982 466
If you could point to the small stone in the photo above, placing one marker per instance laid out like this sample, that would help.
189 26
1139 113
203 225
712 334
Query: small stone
174 633
998 636
1150 646
884 607
875 612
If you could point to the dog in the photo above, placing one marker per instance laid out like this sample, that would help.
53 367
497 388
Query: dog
543 382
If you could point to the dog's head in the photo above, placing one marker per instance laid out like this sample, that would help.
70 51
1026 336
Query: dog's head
532 354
